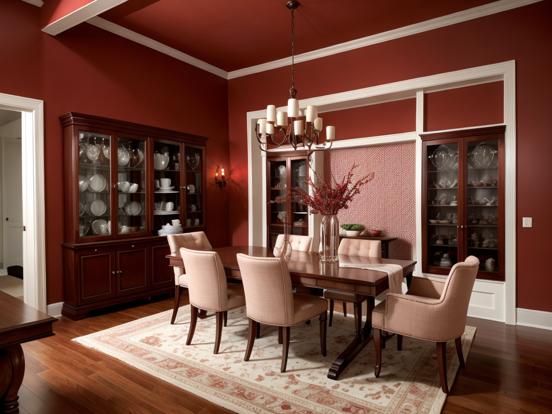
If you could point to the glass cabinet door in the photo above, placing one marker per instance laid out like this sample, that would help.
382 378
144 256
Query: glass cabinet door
94 184
131 185
194 187
277 198
482 203
442 205
167 185
299 211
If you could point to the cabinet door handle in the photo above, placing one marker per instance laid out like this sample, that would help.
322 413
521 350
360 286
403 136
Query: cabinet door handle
132 246
113 272
119 272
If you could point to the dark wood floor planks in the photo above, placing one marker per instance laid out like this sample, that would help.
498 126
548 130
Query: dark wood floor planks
509 370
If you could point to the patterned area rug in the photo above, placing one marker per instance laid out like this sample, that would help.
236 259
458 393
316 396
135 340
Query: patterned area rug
408 382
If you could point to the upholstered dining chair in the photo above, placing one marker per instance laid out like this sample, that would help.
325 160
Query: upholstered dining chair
431 311
359 248
208 290
270 301
196 240
298 243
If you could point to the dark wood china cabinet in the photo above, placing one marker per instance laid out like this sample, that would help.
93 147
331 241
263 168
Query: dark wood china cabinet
284 173
126 186
463 200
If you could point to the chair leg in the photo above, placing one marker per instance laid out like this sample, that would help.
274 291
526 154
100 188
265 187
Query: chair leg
280 340
323 317
177 290
458 343
399 342
285 348
193 321
331 312
442 362
250 339
377 346
357 310
344 308
225 319
258 329
220 322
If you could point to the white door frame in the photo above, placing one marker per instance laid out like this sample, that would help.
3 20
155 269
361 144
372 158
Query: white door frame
32 148
407 89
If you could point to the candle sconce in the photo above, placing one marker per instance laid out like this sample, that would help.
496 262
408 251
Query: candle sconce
220 178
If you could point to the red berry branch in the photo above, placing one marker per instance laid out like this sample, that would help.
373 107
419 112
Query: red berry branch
329 197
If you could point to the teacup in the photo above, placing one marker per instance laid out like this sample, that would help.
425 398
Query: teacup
165 182
133 188
196 222
175 222
169 206
123 186
125 229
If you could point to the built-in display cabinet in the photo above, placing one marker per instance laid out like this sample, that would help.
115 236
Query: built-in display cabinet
284 209
126 186
463 200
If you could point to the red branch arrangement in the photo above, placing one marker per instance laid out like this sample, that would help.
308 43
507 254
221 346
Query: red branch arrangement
329 197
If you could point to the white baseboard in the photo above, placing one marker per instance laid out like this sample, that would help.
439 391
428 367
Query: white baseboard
54 309
534 318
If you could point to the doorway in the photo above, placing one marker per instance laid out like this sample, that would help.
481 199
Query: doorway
11 226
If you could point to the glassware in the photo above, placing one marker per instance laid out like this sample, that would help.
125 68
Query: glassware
329 238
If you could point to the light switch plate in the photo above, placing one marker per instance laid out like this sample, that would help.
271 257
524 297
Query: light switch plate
527 222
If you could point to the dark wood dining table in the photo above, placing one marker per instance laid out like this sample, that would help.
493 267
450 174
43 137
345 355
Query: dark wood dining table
307 270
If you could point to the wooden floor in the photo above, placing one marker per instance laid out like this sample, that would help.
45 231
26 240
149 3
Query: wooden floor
509 370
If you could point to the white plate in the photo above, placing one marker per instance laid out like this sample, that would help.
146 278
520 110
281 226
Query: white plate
166 188
98 183
97 226
106 151
98 207
123 156
83 183
134 208
166 213
93 152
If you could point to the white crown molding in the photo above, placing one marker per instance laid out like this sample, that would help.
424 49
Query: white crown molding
439 22
80 15
155 45
37 3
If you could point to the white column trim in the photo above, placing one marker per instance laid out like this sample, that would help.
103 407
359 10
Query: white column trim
34 245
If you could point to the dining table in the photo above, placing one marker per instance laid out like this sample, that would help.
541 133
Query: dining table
308 271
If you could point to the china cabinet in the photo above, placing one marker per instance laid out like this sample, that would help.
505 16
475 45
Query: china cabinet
284 210
463 200
126 187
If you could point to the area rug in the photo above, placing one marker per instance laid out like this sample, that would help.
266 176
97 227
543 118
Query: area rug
408 383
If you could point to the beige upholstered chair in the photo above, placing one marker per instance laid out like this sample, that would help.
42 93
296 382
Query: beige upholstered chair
353 247
298 243
270 301
208 290
431 311
197 241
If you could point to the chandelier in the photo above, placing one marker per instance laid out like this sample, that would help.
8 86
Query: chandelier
298 129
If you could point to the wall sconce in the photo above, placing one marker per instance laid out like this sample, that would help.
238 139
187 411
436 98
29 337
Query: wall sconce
220 178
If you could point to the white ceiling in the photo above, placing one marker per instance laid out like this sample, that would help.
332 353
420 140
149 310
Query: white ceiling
8 116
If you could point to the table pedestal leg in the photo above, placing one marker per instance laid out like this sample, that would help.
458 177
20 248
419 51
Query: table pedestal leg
360 340
12 369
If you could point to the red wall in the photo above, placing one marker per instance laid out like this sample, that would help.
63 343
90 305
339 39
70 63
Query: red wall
91 71
523 34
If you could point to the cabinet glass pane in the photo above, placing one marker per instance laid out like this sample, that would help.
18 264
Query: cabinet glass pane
194 187
278 195
166 165
442 204
299 211
131 185
94 184
482 204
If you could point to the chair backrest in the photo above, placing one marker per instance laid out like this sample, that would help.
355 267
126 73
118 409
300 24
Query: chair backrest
206 279
268 290
196 240
360 247
457 292
298 243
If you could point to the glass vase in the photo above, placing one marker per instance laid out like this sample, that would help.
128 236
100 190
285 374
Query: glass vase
329 238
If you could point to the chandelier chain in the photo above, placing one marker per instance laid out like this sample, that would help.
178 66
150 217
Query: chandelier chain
292 90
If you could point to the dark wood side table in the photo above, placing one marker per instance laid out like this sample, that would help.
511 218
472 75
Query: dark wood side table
385 240
19 323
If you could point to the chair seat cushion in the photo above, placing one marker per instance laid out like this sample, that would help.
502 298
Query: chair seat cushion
236 297
307 307
344 296
378 315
